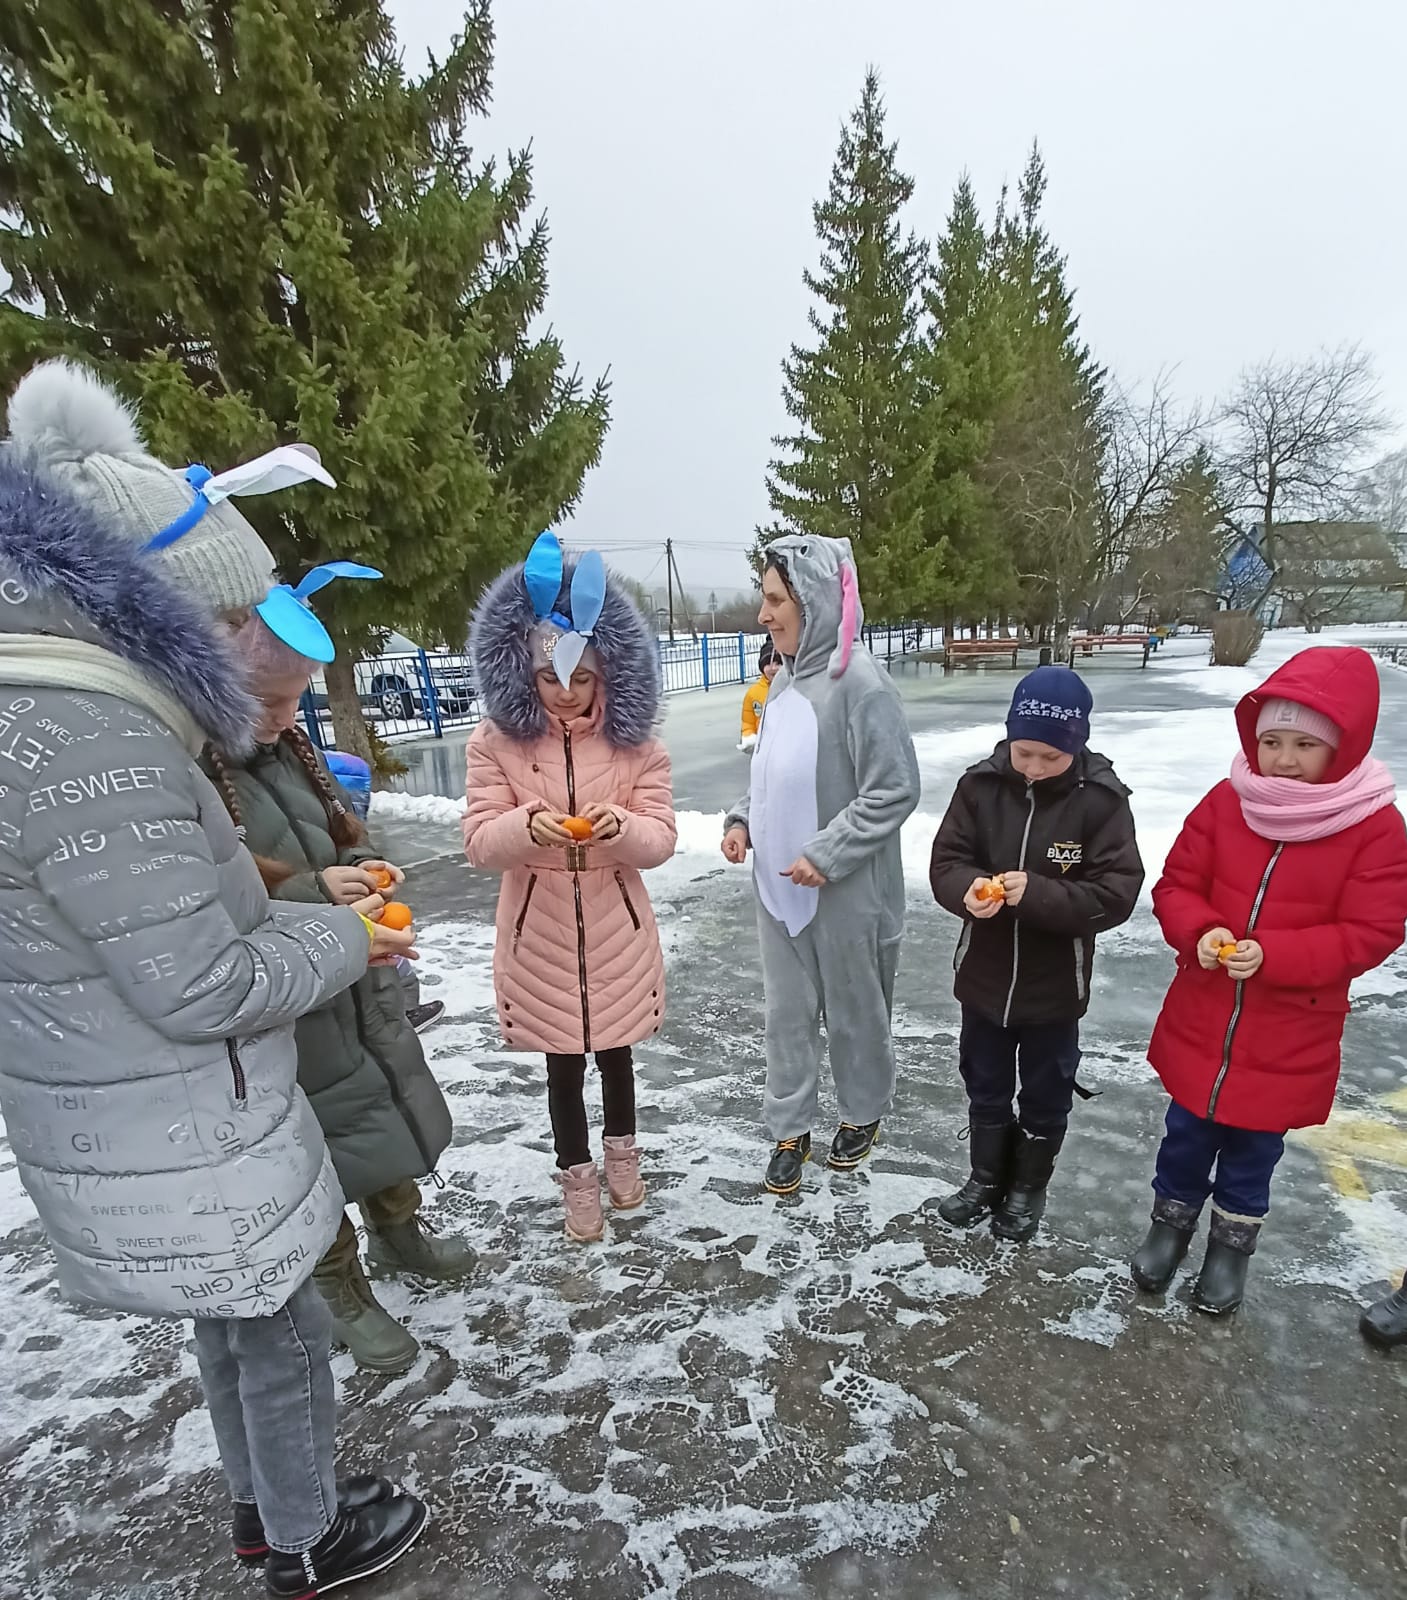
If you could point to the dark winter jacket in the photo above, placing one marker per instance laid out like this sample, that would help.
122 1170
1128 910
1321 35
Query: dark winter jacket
359 1061
1264 1054
1073 836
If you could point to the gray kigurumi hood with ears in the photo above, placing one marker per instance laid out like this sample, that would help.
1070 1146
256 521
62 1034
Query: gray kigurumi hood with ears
822 575
501 647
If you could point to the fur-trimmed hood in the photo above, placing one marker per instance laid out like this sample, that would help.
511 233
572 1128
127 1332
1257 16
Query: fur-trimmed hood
63 574
501 649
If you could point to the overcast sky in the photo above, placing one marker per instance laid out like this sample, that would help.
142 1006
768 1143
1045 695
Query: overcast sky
1226 180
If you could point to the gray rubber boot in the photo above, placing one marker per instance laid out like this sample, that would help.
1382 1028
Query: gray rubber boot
412 1247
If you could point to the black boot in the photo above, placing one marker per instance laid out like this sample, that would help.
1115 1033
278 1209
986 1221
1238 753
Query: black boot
247 1529
1032 1162
357 1545
989 1152
1221 1284
1161 1253
852 1143
784 1169
1385 1324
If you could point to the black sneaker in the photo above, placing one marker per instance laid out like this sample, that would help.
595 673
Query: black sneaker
247 1529
359 1544
851 1145
784 1169
420 1017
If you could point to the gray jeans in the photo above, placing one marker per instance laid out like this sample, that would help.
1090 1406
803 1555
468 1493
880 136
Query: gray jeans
268 1383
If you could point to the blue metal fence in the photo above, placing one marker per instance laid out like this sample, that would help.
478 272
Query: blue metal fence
432 692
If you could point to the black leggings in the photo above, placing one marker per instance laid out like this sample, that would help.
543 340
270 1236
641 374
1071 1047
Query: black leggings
565 1078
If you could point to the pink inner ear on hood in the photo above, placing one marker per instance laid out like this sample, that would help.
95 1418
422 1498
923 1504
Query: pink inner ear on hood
849 610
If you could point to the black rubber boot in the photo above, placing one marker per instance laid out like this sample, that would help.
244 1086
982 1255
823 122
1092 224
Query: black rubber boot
1221 1284
359 1544
247 1530
1161 1253
1032 1162
989 1151
1385 1324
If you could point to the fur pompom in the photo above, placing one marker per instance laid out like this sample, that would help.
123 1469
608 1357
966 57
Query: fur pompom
61 412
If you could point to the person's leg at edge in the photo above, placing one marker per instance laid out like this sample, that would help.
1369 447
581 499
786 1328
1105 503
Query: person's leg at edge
576 1170
857 1000
1182 1180
566 1105
219 1378
1240 1200
617 1069
289 1407
987 1064
622 1155
1047 1060
792 984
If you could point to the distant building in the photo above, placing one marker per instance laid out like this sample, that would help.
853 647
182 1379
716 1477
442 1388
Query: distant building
1328 572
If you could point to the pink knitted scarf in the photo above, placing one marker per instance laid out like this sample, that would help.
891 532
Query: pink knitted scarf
1291 812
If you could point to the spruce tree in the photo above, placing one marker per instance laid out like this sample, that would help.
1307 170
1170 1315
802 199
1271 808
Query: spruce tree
1044 461
969 372
856 464
263 229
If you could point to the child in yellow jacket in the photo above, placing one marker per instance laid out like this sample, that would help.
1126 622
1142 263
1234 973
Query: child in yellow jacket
768 666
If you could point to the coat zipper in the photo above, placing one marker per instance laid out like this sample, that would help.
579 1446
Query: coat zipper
241 1088
523 913
1241 985
1016 926
625 895
576 896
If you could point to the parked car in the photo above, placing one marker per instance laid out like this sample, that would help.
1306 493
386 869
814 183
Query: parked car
390 685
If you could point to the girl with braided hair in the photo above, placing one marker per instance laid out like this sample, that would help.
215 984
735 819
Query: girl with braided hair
359 1061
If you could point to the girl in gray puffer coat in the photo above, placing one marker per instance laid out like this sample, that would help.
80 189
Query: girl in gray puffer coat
147 987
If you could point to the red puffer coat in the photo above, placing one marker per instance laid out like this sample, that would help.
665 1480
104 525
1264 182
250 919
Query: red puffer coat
1264 1054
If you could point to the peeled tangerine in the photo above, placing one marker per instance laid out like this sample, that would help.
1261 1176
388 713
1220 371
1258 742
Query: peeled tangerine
579 828
1225 951
396 916
992 889
381 878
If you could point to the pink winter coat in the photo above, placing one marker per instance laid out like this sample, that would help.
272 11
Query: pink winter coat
577 965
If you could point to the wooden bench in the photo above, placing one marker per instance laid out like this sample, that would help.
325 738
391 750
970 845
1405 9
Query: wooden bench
1086 644
974 650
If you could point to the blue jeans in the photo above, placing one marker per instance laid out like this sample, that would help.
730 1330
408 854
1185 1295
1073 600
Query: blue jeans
1244 1160
268 1383
1048 1055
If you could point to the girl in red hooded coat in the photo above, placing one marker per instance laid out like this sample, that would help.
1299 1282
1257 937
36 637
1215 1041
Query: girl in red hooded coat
1288 881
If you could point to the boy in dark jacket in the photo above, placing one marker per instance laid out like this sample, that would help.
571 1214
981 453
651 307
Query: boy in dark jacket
1036 855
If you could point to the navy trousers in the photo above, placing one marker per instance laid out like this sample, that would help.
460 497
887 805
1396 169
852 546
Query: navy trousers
1244 1160
1033 1064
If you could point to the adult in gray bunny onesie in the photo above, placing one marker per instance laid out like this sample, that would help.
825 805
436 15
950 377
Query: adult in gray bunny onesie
833 778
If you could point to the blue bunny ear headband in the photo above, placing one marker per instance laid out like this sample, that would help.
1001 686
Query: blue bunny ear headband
287 615
564 639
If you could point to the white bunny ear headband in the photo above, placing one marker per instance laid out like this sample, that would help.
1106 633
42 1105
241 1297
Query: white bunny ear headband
277 469
567 638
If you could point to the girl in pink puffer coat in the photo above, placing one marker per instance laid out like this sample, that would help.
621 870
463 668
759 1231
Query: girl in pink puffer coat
570 680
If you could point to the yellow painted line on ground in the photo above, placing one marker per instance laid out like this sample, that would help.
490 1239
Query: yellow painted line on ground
1346 1178
1353 1137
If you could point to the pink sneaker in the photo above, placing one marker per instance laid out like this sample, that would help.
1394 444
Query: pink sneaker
581 1190
623 1171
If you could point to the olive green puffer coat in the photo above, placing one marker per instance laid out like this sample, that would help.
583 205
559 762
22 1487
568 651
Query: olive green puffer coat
359 1061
